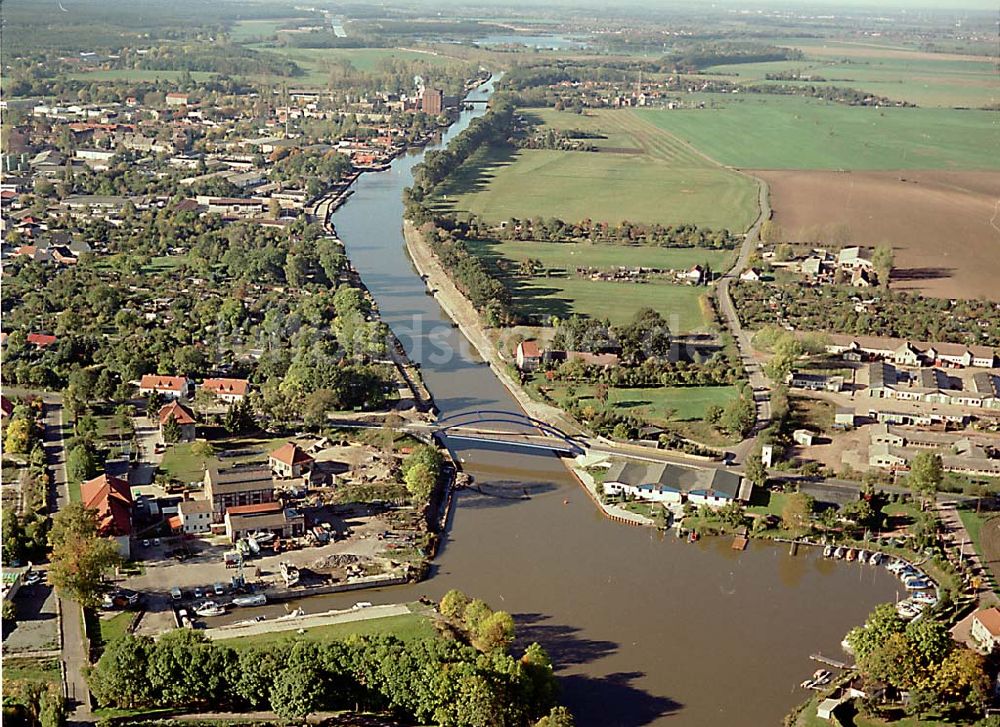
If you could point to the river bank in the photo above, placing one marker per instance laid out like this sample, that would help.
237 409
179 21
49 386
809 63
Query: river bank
464 315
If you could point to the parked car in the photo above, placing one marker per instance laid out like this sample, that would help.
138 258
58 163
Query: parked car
33 578
219 589
175 593
156 541
145 543
198 593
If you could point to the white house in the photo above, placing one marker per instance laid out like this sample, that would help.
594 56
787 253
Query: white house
170 387
528 356
195 515
986 628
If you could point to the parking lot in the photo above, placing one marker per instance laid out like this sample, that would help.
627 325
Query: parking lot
36 628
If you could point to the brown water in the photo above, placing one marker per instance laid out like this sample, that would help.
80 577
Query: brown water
644 628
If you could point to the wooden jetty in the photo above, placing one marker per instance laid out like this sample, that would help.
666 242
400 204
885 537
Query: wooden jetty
740 542
835 663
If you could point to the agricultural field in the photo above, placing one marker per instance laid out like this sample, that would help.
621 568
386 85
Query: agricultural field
925 79
792 132
642 174
138 75
942 226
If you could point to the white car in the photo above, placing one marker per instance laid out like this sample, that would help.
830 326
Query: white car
33 578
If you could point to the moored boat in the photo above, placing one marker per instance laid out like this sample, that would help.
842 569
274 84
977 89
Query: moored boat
210 608
838 553
257 599
290 573
850 554
828 551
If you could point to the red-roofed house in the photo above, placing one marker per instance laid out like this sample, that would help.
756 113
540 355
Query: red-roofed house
171 387
269 517
227 390
290 460
183 416
112 499
528 355
41 340
986 628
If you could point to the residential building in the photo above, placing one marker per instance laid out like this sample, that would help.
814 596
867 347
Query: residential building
180 414
902 352
195 516
290 460
803 437
169 387
751 275
528 356
178 99
669 483
111 498
986 628
242 484
229 391
271 517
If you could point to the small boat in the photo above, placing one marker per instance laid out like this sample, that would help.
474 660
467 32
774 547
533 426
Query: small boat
862 556
251 621
362 604
210 608
850 554
565 502
693 536
838 553
257 599
297 613
875 559
828 551
263 538
254 547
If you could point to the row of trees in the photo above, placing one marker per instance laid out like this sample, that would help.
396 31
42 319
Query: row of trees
432 680
25 529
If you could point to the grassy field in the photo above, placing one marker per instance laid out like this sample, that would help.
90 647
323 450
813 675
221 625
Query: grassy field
560 292
409 627
642 175
655 405
616 301
114 627
790 132
30 669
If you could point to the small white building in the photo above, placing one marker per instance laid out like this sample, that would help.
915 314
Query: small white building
528 356
195 515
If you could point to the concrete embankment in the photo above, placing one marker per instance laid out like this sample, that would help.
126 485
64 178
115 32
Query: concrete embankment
327 618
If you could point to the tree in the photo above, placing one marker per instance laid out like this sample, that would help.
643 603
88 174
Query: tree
496 631
172 430
79 557
883 261
81 463
297 691
420 482
453 604
17 437
926 474
274 209
882 623
754 470
119 677
740 415
795 515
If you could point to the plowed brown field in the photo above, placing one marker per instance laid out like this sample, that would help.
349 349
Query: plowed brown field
944 227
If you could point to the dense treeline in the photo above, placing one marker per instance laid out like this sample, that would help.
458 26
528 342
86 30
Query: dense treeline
432 680
553 229
837 94
227 59
486 292
496 126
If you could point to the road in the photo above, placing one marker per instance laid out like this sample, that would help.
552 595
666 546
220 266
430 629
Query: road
758 381
74 641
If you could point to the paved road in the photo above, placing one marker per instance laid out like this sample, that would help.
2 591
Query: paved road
758 381
74 643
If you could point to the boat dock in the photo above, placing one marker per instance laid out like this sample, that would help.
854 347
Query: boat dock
835 663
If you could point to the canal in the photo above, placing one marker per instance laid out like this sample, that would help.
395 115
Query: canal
644 628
